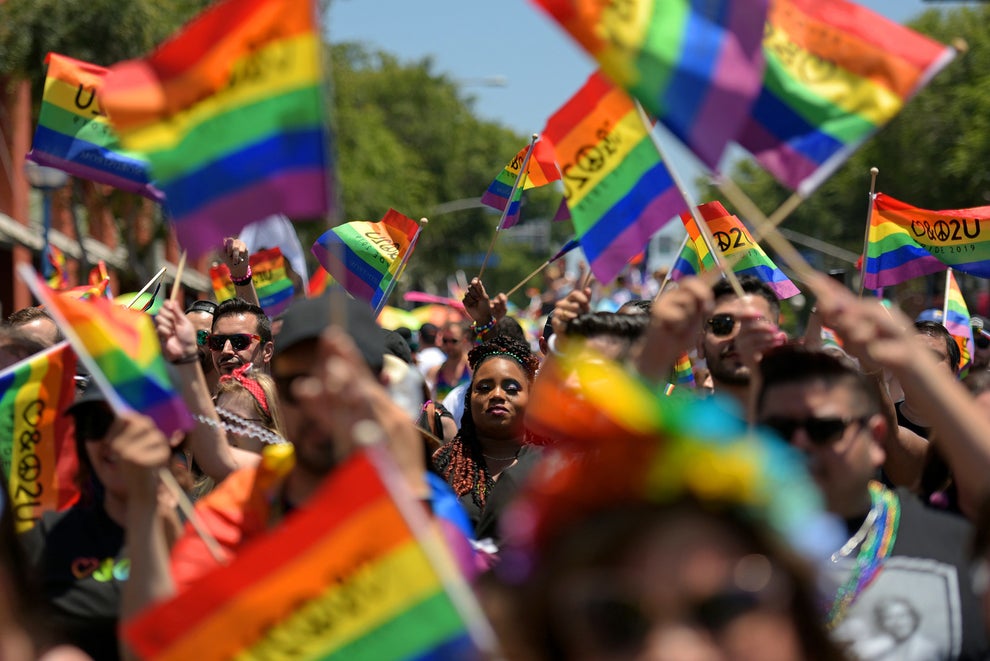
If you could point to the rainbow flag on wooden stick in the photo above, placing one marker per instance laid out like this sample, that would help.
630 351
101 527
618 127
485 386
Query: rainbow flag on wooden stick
73 133
835 74
344 578
230 114
618 191
695 66
366 257
37 446
271 281
955 318
733 238
906 242
540 171
120 348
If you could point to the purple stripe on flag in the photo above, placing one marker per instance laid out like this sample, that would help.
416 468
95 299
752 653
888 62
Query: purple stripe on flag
297 194
894 276
631 241
783 161
96 174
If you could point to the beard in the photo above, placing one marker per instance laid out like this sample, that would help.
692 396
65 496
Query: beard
729 375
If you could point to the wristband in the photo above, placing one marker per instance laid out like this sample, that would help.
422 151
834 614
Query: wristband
242 281
481 331
186 360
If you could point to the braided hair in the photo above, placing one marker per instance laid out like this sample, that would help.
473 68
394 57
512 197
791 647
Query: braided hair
461 461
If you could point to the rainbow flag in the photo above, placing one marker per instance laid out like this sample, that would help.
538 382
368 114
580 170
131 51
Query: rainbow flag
231 116
836 73
617 189
37 446
318 284
344 578
683 374
59 277
955 318
271 281
83 292
365 256
540 171
121 348
733 238
906 242
695 66
74 135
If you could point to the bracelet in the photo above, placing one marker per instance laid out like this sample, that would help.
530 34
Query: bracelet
186 360
242 281
484 329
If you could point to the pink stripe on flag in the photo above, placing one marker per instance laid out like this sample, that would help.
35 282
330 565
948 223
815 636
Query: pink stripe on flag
779 158
298 194
77 169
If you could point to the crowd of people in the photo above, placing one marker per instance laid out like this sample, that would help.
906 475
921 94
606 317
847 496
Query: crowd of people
825 502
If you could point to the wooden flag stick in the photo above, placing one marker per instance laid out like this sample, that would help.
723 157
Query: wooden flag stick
874 171
945 299
529 277
177 285
505 212
147 286
706 231
670 271
770 233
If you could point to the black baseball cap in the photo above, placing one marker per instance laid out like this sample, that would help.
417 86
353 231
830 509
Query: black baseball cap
307 318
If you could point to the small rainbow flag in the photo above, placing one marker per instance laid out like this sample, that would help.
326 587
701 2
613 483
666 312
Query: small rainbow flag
271 281
836 73
617 189
83 292
732 237
540 171
344 578
365 257
231 116
695 66
37 446
59 277
122 351
74 135
683 374
955 318
906 242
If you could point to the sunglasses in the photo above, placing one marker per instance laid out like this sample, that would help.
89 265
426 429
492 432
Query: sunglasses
721 324
201 337
820 431
239 341
283 385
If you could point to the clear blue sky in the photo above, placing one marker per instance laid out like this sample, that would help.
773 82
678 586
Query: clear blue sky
471 40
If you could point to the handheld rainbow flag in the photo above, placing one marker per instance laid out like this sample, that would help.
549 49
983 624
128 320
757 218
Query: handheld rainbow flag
271 281
695 66
617 189
836 73
732 237
344 578
906 242
231 116
366 257
121 350
541 170
683 374
74 135
58 279
955 318
83 292
37 446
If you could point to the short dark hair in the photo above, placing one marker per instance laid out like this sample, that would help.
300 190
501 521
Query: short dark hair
636 306
628 327
234 306
25 316
17 344
794 363
937 331
750 284
509 327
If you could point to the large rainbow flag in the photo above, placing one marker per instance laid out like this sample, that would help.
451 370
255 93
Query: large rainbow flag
121 349
344 578
366 257
695 66
74 135
37 446
230 113
836 72
906 242
540 171
271 281
617 189
955 318
733 238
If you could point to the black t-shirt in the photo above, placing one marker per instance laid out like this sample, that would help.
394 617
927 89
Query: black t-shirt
902 421
78 559
921 606
508 484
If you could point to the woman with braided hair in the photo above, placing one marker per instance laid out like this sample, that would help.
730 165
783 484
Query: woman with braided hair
488 458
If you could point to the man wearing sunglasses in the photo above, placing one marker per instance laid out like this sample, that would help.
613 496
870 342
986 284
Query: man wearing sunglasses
200 314
241 334
897 548
736 332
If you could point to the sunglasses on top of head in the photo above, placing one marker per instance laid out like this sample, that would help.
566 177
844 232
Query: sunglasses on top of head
239 341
